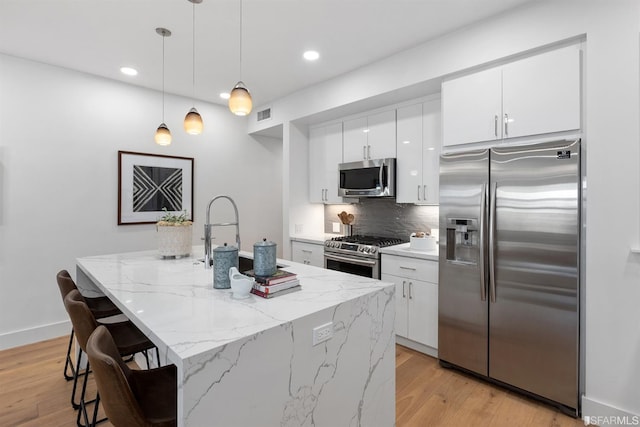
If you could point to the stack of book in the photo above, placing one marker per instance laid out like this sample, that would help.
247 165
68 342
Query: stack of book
280 283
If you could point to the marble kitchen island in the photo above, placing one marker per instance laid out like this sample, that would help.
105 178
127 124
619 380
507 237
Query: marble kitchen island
252 362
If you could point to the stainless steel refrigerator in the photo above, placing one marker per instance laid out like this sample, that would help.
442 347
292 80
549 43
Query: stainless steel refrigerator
509 267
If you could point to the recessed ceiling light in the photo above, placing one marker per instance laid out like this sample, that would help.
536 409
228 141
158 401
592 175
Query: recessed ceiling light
225 95
311 55
129 71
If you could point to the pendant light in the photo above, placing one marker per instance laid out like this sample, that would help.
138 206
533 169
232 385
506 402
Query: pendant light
163 135
240 102
193 121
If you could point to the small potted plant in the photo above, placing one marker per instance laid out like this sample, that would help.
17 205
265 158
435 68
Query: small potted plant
174 234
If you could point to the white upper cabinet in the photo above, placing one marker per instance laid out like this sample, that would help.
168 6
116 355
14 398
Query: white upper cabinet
472 107
418 153
532 96
370 137
325 153
541 94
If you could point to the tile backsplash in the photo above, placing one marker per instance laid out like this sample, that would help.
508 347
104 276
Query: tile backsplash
384 217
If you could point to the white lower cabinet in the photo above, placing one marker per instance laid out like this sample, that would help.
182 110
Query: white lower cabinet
307 253
416 283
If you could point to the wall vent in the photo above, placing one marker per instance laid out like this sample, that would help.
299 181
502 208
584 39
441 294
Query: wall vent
264 114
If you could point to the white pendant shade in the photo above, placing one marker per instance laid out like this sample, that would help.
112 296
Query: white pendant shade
163 135
193 122
240 102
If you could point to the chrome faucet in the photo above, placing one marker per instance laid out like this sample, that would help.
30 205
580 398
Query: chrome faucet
208 261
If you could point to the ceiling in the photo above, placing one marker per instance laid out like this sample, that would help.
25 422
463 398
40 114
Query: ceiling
100 36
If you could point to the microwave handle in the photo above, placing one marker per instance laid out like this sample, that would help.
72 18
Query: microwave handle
380 173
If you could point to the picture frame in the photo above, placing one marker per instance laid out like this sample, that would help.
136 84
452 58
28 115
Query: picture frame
149 182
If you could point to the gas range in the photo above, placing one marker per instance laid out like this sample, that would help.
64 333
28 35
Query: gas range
360 246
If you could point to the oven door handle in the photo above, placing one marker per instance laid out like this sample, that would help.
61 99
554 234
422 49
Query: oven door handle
353 260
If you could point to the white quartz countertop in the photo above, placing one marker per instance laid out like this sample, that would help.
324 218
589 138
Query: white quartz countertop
404 250
174 300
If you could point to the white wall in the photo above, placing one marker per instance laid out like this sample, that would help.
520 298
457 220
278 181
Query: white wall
60 132
612 113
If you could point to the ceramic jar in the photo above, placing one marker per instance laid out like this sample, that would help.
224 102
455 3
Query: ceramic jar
224 257
264 258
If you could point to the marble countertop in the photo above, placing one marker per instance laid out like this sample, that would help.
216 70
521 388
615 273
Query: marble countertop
174 301
404 250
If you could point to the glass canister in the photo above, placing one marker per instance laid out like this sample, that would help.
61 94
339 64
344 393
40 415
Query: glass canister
264 258
224 257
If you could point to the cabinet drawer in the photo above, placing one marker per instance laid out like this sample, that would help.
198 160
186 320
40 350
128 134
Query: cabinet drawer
410 268
307 253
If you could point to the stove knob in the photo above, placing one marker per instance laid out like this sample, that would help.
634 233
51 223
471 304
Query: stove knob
327 244
366 250
361 249
373 250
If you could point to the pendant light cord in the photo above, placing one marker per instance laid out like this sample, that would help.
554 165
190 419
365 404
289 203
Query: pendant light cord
193 56
163 37
240 40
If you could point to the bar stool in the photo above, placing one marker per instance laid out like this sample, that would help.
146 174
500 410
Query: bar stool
129 340
101 307
131 398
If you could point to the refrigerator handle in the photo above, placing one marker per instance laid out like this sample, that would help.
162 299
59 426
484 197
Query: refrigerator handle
492 237
483 259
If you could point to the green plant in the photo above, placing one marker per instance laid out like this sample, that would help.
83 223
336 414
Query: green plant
169 218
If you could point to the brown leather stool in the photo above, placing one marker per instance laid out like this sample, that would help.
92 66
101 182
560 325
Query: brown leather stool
128 340
101 307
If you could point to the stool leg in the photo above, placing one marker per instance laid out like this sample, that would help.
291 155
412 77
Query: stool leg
68 364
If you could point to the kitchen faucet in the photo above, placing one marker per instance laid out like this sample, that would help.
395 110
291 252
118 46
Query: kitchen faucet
208 261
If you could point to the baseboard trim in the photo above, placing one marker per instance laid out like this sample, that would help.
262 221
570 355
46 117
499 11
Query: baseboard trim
600 413
33 335
417 346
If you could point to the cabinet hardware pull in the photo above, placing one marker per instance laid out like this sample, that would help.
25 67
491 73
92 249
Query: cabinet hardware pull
404 294
364 152
368 152
495 125
407 268
418 192
410 285
506 124
424 193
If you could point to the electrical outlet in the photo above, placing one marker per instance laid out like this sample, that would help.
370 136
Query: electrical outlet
299 228
322 333
336 227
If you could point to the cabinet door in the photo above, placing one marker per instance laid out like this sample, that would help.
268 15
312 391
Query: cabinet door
541 94
401 303
332 158
316 165
307 253
325 153
471 108
355 139
431 143
409 154
423 312
381 135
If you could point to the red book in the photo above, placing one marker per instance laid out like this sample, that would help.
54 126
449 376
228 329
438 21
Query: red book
278 277
275 294
269 289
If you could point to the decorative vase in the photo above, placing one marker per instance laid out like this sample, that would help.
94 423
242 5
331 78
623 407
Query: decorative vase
174 240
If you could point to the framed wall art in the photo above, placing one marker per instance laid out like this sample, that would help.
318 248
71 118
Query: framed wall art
147 183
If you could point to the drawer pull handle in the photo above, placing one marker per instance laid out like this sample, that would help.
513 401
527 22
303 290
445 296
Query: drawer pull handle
407 268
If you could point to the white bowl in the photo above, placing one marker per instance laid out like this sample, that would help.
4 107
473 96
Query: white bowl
427 243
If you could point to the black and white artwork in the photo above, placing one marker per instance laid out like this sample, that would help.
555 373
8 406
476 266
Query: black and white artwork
150 183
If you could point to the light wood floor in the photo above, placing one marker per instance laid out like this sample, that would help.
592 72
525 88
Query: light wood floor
34 393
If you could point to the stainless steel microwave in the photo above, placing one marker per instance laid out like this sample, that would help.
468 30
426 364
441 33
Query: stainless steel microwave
368 178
